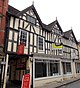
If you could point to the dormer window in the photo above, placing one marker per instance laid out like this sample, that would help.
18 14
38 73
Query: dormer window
31 19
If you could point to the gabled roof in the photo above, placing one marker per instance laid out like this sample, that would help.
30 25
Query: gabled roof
44 26
68 33
18 13
13 10
53 23
29 8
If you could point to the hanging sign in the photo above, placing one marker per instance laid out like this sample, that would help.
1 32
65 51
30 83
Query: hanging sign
57 46
26 81
20 49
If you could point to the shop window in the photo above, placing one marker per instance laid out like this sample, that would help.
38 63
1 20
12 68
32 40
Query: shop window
23 37
66 67
54 69
41 43
40 69
46 68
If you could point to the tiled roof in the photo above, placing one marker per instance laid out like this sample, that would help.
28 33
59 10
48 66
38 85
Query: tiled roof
53 23
13 10
16 12
67 34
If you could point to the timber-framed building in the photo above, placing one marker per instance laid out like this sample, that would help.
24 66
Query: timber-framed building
50 53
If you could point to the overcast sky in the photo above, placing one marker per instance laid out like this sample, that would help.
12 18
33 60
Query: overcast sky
66 11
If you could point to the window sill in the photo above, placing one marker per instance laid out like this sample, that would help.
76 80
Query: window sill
49 77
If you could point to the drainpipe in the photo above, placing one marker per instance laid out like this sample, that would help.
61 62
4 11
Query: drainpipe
31 59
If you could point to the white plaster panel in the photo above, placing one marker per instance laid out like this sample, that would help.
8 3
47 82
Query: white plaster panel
32 29
15 36
10 34
25 24
25 50
11 22
9 46
24 17
34 50
46 36
14 47
31 38
41 31
21 23
28 28
35 40
36 29
44 33
16 23
30 50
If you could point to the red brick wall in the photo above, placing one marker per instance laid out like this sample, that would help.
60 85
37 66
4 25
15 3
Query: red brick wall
3 9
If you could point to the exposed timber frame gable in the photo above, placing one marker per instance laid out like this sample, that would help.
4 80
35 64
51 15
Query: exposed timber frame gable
34 31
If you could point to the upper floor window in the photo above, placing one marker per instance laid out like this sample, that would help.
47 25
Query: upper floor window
31 19
41 43
23 37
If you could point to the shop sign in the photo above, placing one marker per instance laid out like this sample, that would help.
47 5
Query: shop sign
21 65
26 81
57 46
20 49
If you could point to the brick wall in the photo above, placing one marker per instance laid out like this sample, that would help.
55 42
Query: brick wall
3 9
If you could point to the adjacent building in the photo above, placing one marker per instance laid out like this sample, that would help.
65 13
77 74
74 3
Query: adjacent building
49 53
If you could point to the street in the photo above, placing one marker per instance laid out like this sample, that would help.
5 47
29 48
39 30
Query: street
72 85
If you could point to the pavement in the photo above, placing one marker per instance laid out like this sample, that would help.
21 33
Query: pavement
58 84
12 85
55 84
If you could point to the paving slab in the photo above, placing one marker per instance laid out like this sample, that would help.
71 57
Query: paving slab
58 84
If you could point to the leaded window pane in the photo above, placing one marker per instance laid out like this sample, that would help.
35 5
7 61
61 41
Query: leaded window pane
23 37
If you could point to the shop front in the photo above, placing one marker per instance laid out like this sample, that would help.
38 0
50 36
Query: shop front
18 67
46 69
49 68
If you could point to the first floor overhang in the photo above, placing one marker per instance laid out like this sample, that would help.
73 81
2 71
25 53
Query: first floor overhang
16 56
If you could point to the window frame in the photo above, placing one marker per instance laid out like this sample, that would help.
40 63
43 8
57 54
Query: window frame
12 40
20 37
43 44
30 18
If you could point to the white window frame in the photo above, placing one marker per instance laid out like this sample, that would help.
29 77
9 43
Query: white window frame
43 44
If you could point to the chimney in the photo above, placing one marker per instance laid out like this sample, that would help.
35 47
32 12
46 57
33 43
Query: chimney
3 10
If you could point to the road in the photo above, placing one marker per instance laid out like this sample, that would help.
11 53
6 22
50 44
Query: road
72 85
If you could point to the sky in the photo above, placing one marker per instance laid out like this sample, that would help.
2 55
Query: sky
66 11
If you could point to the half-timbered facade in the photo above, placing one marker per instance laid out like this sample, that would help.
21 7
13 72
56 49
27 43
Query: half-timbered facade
70 53
44 49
